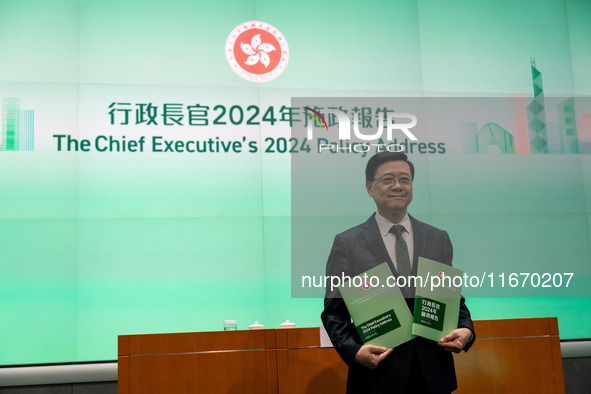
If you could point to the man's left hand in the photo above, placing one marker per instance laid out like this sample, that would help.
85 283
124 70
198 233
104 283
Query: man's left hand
456 340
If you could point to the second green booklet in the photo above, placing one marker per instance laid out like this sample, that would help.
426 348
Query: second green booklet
437 302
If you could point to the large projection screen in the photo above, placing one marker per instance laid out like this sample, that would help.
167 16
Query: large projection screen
146 187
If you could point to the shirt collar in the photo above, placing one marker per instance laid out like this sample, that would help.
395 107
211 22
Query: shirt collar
385 225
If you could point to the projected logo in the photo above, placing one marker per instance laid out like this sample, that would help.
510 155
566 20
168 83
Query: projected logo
257 51
17 128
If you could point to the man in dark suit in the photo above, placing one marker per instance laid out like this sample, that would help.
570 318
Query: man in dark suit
419 365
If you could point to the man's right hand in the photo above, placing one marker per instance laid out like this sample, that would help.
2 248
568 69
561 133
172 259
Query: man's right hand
370 356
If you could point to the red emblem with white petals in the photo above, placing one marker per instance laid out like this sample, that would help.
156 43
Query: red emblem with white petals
257 51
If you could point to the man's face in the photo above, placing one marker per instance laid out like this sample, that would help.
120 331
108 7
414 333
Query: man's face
392 188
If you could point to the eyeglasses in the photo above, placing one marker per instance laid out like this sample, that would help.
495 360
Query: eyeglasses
389 180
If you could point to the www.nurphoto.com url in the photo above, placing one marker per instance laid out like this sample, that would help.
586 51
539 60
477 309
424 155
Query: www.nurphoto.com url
521 279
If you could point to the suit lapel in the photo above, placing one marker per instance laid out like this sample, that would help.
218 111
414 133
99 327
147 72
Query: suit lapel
420 242
376 243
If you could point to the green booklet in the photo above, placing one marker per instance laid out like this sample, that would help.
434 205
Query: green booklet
437 302
380 313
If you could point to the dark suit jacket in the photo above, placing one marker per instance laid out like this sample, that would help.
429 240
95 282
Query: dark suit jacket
354 252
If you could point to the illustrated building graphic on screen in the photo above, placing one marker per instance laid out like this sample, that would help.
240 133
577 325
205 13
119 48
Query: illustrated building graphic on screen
492 135
567 126
16 127
536 114
529 130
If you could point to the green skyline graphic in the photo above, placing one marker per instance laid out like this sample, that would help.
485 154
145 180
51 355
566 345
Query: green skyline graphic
562 138
16 127
536 114
490 135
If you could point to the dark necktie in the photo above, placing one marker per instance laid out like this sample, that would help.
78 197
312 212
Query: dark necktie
402 258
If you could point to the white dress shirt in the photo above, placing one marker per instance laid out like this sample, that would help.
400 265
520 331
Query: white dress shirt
389 238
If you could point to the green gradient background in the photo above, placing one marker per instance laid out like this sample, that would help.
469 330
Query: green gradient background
95 245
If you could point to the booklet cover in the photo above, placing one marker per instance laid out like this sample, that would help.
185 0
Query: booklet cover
437 302
380 313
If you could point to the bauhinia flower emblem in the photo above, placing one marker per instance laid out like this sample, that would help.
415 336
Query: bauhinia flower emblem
257 51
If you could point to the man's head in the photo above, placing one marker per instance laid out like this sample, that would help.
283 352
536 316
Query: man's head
380 158
388 179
